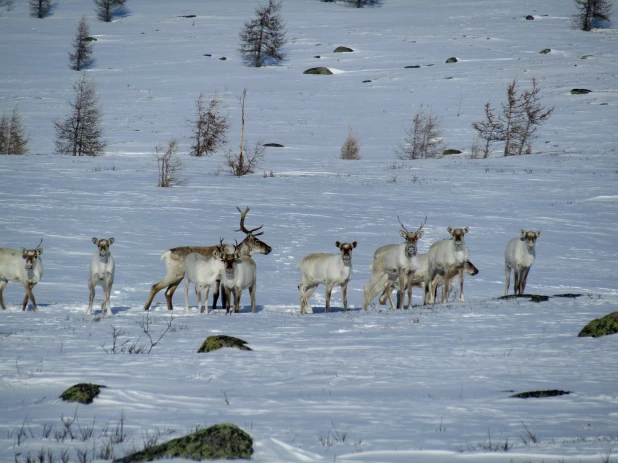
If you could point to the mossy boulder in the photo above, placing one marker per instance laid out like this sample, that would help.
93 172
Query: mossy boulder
601 326
217 342
580 91
90 39
545 51
343 50
319 70
530 17
219 442
84 393
451 60
539 394
273 145
451 151
412 66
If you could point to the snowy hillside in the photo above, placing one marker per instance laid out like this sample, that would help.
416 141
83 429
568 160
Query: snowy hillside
429 384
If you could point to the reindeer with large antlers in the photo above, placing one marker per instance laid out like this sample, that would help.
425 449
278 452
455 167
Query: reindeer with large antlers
394 262
174 260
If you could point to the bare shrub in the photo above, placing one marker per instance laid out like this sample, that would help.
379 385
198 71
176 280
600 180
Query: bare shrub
423 139
169 165
351 146
209 127
490 129
591 12
246 160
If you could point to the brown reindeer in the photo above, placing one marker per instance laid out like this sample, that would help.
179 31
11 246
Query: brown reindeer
174 260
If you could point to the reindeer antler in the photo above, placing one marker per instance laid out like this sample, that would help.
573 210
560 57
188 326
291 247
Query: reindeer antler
242 223
422 225
402 225
39 245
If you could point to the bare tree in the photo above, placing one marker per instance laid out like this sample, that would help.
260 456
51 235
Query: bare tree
248 159
82 47
351 146
263 37
18 141
80 134
423 139
40 8
5 128
105 8
210 127
490 129
6 4
522 114
169 164
590 12
517 125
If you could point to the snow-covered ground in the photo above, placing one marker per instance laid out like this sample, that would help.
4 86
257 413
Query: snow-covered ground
430 384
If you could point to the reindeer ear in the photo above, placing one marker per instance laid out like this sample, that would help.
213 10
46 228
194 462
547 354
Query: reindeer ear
23 251
522 233
419 234
111 240
236 255
337 243
95 241
449 230
538 233
403 234
354 243
39 251
466 229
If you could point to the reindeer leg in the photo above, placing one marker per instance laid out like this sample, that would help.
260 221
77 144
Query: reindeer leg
329 290
170 293
153 292
2 286
108 297
305 295
461 282
507 278
402 289
522 280
91 299
252 289
237 294
516 282
344 295
29 295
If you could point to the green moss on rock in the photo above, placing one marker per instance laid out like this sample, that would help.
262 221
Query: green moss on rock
536 394
451 60
601 326
450 151
545 51
343 50
219 442
319 70
84 393
580 91
217 342
532 297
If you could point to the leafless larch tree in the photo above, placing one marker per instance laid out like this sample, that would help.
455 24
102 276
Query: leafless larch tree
81 57
263 37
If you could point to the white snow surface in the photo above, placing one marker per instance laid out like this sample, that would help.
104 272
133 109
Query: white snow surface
430 384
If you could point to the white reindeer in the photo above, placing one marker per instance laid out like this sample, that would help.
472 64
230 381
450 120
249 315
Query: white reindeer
519 255
203 273
102 269
174 260
419 280
396 262
328 269
22 265
445 259
240 273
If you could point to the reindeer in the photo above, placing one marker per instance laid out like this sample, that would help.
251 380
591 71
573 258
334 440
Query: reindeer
240 273
21 265
418 279
519 256
102 269
395 262
445 259
175 261
329 269
203 273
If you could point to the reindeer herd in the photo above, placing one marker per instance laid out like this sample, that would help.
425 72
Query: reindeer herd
394 266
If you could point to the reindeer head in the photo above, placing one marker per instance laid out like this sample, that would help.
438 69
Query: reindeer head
346 250
251 243
229 254
529 237
30 255
103 246
411 237
457 235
